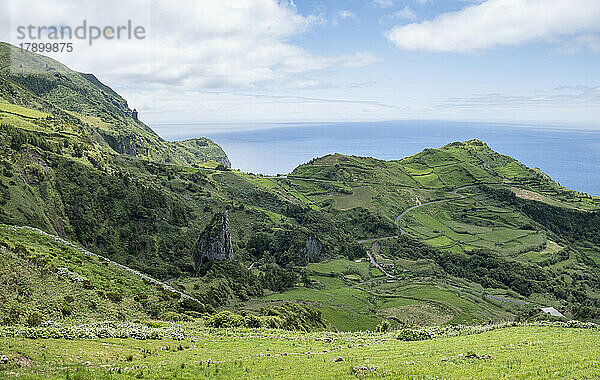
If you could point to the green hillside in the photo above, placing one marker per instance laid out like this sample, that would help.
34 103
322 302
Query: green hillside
45 279
458 234
41 95
480 235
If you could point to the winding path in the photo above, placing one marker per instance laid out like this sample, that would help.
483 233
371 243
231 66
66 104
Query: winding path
453 192
402 231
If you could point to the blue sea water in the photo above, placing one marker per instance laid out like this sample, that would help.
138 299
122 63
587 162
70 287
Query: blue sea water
570 156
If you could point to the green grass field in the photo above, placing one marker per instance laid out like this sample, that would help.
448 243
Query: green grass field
353 297
22 111
526 352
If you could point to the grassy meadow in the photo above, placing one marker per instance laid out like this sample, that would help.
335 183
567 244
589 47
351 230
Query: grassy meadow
523 352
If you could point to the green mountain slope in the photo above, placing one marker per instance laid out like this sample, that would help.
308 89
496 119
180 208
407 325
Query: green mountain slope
46 279
42 95
62 172
476 230
450 235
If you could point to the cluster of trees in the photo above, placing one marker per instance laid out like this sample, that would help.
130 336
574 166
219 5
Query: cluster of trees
288 316
38 84
278 279
18 138
227 280
281 245
132 222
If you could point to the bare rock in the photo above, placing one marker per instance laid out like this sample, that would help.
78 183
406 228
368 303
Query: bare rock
214 242
312 250
362 369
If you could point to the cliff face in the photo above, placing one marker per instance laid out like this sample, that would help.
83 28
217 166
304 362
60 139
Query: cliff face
312 251
214 242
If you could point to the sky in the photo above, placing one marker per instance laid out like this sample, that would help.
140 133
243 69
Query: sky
261 61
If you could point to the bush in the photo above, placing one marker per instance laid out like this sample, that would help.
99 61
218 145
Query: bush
384 326
252 321
293 316
272 322
66 309
115 297
176 317
35 319
278 279
225 319
414 335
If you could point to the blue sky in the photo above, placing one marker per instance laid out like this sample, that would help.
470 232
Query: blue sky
542 78
236 61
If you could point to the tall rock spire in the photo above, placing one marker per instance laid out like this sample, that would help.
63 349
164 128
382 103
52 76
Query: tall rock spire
214 242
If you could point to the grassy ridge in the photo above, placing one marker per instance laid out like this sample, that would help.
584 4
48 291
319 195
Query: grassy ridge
38 91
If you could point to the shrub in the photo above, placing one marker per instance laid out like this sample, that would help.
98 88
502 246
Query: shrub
252 321
225 319
384 326
176 317
414 335
272 322
293 316
153 324
35 318
66 309
115 297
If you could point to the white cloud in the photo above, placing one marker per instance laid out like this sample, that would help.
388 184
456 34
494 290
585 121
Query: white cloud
406 13
344 15
496 23
383 3
192 44
347 14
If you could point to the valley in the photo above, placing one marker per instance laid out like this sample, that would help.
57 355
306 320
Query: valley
162 261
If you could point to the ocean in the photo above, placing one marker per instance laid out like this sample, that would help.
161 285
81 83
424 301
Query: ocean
569 155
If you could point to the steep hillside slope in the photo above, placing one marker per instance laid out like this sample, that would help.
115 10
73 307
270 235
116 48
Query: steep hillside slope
46 279
73 162
471 222
38 93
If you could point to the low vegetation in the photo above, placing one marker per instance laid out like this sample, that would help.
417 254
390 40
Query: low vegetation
196 352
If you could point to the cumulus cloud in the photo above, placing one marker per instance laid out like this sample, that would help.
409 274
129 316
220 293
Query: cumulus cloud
193 44
406 13
496 23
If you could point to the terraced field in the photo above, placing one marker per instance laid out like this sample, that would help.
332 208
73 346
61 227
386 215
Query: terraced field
436 197
354 296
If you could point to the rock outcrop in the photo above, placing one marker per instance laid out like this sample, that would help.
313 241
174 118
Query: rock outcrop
121 144
214 242
312 249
